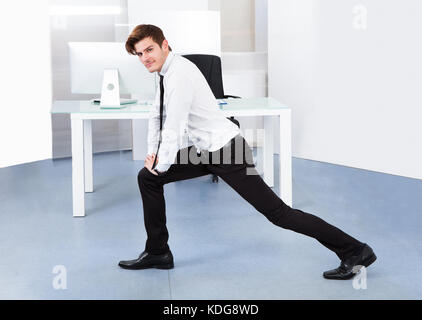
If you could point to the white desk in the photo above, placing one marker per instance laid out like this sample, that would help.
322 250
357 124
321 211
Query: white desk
82 112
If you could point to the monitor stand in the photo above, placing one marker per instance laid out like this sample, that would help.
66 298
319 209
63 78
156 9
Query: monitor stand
110 92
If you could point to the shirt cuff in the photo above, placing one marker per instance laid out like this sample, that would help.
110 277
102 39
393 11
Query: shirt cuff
152 149
162 167
159 173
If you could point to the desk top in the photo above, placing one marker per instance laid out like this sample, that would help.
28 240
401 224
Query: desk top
85 106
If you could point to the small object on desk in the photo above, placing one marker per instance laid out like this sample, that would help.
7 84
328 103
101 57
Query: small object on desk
221 102
145 103
123 103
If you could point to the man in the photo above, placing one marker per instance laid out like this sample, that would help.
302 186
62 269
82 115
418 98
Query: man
185 104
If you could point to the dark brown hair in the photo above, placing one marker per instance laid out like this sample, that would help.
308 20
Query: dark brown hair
144 31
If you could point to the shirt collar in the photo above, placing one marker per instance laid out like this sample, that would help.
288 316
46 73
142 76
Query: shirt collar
167 63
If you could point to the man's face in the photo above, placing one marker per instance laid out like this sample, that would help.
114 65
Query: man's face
151 54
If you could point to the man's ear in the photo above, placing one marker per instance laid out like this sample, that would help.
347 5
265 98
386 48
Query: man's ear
165 45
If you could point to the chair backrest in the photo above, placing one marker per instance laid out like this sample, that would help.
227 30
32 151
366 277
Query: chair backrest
210 67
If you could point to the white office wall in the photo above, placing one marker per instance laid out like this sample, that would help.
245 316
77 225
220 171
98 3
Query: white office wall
25 82
188 25
244 54
290 60
261 25
214 5
238 25
190 31
351 72
237 17
146 5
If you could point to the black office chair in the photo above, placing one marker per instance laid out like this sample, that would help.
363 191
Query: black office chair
210 67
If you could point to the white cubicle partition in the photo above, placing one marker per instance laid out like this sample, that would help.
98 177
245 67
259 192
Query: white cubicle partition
188 31
25 82
351 72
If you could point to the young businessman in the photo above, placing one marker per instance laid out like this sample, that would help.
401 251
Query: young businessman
185 105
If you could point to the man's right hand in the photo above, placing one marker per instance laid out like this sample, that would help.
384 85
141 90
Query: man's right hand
149 161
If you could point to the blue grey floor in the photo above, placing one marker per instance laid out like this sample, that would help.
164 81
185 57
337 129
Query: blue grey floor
223 248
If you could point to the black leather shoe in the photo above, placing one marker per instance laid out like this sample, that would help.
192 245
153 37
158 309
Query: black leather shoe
146 260
350 266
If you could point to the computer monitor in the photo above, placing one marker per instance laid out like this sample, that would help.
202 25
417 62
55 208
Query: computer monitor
106 68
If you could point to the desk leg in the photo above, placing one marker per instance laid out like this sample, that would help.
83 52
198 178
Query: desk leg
269 150
139 143
78 167
286 156
89 180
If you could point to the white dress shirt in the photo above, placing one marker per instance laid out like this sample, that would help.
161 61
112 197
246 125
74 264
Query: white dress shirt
191 115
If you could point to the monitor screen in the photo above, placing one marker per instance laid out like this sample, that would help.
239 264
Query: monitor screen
88 60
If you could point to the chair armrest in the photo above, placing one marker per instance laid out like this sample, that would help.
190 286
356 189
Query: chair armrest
227 96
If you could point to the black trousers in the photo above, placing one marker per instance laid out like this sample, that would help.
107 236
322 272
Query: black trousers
240 173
